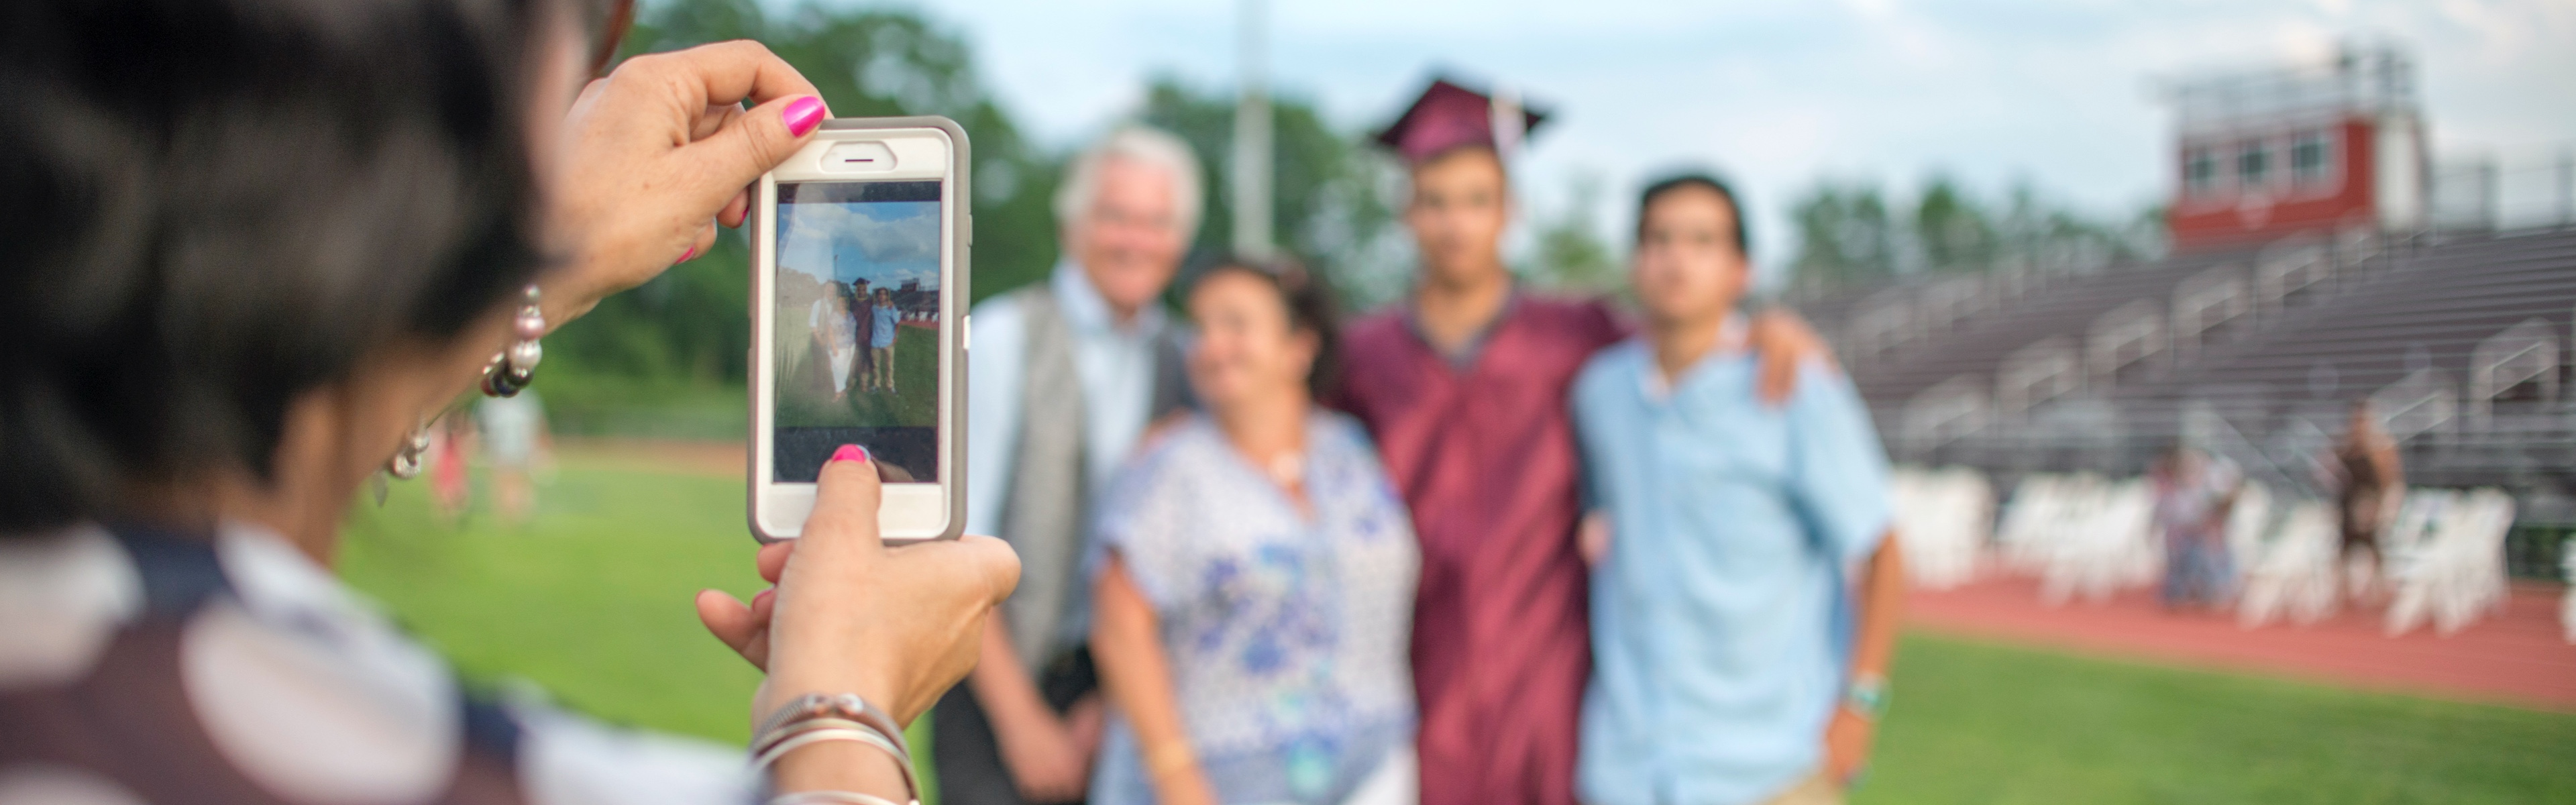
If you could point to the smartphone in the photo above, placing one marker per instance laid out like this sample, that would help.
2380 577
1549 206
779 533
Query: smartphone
859 288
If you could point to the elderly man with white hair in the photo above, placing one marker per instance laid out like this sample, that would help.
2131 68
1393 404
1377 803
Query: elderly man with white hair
1066 376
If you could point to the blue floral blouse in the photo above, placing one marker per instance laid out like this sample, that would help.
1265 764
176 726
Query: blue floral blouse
1287 637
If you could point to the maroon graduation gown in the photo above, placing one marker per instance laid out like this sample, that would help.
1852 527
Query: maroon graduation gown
1485 458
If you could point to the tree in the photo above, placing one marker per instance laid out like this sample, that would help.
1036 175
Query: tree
871 63
690 328
1952 229
1844 235
1847 234
1330 190
2036 231
681 341
1571 254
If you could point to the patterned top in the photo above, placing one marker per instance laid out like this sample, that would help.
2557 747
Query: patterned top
1286 636
143 666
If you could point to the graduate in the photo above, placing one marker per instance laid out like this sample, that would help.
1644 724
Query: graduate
1463 386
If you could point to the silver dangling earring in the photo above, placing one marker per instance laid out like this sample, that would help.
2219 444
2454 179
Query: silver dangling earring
405 463
509 372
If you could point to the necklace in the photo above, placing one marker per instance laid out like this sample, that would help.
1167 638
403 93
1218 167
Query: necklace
1286 469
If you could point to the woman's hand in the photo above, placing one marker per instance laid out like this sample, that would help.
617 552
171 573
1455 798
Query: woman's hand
1049 758
897 626
659 152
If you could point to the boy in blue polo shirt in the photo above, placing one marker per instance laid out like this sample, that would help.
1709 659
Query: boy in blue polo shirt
1746 605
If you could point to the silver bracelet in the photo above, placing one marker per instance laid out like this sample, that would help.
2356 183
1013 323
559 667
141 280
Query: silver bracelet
765 742
800 738
818 797
845 705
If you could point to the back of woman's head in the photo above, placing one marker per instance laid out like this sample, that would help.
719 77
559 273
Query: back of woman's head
214 206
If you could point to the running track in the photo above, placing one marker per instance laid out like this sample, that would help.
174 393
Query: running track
2518 657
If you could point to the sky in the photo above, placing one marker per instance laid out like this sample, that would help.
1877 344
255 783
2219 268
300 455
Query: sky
1777 95
886 242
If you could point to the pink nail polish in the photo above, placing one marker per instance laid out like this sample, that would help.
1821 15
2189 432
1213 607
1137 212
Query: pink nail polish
850 452
802 115
687 255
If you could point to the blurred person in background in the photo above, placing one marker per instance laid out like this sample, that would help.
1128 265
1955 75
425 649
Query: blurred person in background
2370 481
517 444
1463 387
355 201
1067 373
2194 492
1737 659
1255 576
451 486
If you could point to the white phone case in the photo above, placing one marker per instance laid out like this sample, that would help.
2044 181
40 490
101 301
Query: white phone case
911 512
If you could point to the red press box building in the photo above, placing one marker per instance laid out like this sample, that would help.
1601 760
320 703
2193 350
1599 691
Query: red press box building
2322 149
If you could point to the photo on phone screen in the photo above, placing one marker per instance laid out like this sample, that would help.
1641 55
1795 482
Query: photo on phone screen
857 327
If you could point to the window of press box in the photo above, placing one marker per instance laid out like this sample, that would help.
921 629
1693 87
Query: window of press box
2254 164
2200 170
2308 157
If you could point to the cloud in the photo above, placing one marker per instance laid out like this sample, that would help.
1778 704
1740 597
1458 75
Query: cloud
2060 92
885 243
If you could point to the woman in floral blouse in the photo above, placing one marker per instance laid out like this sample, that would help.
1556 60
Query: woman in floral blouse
1255 576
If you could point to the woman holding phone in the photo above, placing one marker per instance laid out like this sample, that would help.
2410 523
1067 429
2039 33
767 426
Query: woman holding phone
248 265
1254 590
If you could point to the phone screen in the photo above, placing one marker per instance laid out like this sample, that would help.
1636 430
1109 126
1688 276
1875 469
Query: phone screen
857 327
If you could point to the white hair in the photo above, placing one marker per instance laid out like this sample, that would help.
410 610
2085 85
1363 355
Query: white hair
1149 146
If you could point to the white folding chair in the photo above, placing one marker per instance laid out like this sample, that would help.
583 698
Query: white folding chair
2293 573
1943 518
2567 601
2453 570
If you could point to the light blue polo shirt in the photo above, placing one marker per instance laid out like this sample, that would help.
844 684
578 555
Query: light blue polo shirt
1720 619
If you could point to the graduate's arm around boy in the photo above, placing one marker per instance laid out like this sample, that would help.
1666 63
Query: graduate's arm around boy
1745 610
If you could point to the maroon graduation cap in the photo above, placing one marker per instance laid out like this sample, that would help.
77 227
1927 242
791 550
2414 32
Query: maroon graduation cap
1450 116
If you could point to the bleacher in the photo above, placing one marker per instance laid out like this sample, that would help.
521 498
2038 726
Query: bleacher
2255 354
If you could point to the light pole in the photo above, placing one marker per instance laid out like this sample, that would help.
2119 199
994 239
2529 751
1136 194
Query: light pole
1252 162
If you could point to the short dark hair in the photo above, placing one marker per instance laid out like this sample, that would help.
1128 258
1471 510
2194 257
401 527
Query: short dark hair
214 207
1309 300
1705 181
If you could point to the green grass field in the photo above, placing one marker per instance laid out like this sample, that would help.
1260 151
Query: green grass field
591 600
916 380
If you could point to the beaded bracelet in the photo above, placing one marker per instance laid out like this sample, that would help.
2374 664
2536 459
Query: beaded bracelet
513 369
